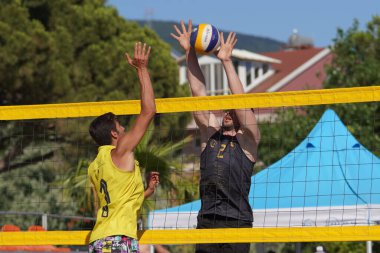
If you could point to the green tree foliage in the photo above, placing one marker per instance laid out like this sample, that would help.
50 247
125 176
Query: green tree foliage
73 51
356 63
29 163
68 51
28 57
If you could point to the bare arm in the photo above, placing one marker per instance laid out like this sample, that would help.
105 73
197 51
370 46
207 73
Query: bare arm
128 142
205 120
246 117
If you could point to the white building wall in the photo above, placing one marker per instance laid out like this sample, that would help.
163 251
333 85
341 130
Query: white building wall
212 79
182 75
256 71
242 73
225 83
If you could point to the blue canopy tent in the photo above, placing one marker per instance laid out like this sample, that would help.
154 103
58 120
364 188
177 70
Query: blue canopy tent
328 179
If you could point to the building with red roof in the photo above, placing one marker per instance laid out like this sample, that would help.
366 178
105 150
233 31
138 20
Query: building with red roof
300 69
299 66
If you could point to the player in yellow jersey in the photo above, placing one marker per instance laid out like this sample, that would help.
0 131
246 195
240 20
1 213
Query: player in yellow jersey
115 174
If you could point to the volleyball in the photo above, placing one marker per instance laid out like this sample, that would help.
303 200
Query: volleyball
205 38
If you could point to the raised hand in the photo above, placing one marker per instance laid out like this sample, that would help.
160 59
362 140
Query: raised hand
183 37
153 179
225 51
141 57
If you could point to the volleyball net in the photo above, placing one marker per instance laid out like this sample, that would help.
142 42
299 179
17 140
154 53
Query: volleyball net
317 177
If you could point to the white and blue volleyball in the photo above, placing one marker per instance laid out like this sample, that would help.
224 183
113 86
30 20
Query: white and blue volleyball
205 38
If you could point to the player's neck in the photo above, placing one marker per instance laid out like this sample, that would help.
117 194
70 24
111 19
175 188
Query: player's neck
229 132
114 142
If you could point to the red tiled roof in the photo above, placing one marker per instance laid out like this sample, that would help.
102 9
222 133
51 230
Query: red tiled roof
290 61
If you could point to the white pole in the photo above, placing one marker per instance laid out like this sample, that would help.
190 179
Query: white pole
44 221
369 246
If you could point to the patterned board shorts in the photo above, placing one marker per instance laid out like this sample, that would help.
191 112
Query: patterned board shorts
114 244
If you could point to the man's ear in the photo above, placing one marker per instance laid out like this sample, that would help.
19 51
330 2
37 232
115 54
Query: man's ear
114 134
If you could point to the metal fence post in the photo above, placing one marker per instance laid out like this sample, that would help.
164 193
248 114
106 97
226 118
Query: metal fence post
44 219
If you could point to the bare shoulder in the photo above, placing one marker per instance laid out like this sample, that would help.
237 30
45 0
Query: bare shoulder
248 145
124 162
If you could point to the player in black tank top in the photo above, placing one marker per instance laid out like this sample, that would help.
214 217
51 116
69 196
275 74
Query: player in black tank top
228 151
225 179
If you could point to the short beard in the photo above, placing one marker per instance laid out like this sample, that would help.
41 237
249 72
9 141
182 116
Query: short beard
228 128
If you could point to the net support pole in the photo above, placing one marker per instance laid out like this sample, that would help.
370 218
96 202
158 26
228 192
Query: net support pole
369 246
44 221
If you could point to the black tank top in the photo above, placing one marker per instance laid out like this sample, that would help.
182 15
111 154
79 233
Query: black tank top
225 178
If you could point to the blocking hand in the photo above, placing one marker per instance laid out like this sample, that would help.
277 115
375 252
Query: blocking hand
225 51
141 57
183 37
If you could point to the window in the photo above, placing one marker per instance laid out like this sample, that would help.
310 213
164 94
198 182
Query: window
265 68
248 66
257 69
236 66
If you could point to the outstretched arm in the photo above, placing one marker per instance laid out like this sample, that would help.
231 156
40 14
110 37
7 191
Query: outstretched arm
194 73
224 55
246 117
128 142
205 120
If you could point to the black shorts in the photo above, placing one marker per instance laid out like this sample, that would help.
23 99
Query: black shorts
216 221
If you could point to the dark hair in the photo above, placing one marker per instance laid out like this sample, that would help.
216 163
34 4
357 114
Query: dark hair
101 127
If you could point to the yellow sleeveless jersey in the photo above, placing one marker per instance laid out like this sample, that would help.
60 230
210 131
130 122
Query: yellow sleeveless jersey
120 194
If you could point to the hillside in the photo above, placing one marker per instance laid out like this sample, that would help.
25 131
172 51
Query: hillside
248 42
